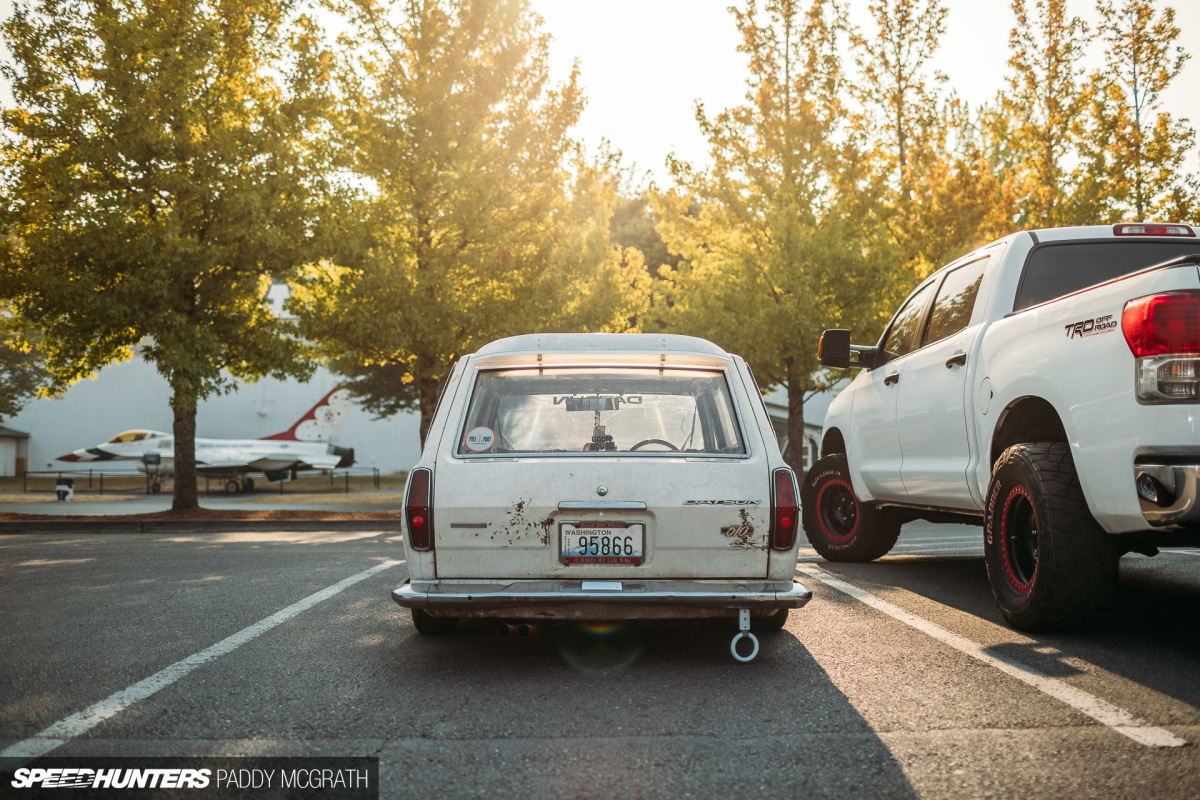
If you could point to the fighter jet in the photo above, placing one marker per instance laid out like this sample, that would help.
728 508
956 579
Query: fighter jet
307 445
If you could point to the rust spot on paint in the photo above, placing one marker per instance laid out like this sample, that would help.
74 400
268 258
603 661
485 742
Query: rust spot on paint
517 527
743 535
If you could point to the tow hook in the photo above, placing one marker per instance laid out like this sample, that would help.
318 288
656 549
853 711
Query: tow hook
744 633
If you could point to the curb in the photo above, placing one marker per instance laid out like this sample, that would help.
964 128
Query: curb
194 526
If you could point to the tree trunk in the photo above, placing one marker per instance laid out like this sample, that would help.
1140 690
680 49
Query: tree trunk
185 496
797 384
428 390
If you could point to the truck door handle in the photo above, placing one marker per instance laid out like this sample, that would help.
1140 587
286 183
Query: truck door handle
958 358
890 379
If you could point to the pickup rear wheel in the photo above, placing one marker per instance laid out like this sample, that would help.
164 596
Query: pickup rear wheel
432 626
838 525
1051 566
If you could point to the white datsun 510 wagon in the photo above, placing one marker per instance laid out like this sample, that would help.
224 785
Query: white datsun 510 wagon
601 477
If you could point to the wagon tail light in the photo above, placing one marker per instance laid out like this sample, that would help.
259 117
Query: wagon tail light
1163 332
784 509
418 510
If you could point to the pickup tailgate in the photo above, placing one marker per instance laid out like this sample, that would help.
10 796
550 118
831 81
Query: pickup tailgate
1073 353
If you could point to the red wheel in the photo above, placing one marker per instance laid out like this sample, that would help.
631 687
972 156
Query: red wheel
1050 565
838 525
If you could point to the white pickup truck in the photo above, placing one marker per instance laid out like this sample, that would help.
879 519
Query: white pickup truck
1046 386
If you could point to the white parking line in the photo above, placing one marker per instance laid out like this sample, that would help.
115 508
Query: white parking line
925 548
1182 552
75 725
941 540
1118 719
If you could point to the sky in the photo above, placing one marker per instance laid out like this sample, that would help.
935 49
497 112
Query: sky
645 63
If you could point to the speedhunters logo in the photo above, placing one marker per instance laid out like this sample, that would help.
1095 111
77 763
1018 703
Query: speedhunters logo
284 778
80 778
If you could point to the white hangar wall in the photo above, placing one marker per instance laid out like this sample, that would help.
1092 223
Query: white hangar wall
134 395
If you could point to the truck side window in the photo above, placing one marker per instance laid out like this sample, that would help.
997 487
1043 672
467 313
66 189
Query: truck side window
955 301
903 335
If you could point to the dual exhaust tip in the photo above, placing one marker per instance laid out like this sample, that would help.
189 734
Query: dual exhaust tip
521 631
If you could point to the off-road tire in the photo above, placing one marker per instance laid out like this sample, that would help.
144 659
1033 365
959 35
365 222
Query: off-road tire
771 622
1051 566
838 525
432 626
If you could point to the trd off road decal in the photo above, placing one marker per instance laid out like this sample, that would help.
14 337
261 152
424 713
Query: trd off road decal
1092 327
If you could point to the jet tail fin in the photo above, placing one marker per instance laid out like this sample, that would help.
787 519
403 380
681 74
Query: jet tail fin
321 422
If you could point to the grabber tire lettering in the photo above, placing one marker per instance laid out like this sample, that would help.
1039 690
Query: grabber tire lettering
1051 566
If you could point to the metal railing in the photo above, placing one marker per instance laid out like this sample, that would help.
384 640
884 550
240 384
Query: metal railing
95 478
345 474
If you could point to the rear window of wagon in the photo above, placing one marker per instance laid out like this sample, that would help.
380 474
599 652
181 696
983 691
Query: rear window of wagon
601 411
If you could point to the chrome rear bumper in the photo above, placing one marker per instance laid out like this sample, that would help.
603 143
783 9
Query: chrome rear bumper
1177 489
599 599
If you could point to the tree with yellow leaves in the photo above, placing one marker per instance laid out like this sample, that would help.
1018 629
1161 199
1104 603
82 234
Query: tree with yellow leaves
1139 149
1040 117
469 213
778 239
941 187
160 168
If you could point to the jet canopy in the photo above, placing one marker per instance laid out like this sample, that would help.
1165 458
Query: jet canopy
135 436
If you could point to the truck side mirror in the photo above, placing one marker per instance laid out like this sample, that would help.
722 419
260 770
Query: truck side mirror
834 349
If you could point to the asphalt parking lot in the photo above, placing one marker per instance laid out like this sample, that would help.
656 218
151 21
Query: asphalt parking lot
898 680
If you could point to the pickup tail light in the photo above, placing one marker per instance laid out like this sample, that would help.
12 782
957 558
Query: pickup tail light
1151 229
1163 333
784 509
418 510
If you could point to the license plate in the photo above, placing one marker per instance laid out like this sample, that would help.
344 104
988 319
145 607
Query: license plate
602 542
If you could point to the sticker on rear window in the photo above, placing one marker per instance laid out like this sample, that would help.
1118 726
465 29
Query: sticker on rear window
480 440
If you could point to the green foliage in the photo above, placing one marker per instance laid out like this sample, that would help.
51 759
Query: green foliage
1041 116
634 223
940 186
785 242
1137 150
159 169
469 214
894 82
21 372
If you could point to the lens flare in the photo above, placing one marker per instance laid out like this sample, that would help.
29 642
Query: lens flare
601 649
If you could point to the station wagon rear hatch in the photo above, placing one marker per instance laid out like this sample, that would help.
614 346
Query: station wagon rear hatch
602 470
